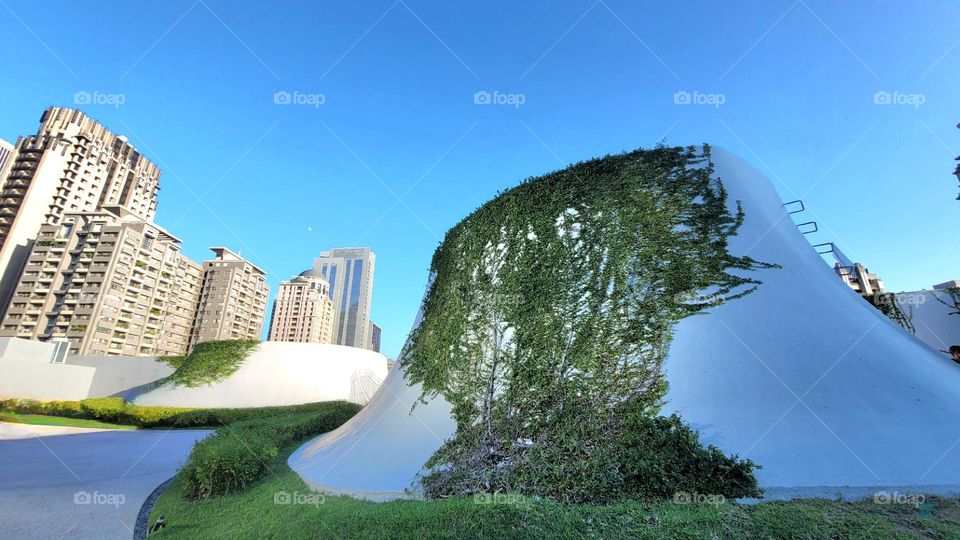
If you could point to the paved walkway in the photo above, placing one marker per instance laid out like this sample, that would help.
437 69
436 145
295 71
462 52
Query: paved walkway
74 483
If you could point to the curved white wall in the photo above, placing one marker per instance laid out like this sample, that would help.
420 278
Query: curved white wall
281 373
802 376
932 321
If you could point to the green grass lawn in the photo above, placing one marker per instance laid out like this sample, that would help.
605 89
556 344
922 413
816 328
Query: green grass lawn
265 511
43 420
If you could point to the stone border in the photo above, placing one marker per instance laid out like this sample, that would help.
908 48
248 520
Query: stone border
143 517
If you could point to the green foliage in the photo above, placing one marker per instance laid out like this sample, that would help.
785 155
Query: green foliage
211 361
109 409
68 409
225 464
240 452
663 456
561 295
889 305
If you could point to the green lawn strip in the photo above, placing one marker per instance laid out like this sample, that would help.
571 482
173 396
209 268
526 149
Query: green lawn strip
254 513
44 420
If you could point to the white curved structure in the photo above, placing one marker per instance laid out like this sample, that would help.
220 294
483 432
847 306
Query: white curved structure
802 376
282 373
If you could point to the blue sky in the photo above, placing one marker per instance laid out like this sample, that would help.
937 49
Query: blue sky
398 151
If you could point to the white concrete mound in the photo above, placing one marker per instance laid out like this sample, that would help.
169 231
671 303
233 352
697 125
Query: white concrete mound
281 373
802 376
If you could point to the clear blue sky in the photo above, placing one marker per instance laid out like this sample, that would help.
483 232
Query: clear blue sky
284 182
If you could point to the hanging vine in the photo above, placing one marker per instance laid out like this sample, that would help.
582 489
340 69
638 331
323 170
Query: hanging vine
559 297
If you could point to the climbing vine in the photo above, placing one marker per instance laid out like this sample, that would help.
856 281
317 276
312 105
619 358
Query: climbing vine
552 308
891 305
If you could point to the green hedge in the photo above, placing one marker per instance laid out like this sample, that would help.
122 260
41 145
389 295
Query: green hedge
239 453
116 410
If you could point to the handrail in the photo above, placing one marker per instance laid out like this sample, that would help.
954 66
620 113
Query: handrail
815 228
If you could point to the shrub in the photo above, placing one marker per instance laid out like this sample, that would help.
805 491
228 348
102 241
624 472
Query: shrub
70 409
210 361
226 463
240 452
108 409
662 456
117 411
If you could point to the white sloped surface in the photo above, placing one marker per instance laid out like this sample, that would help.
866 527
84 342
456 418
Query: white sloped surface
280 373
802 376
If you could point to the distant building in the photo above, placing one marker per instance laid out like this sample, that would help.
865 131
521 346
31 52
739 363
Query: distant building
303 310
350 274
109 283
233 299
952 284
72 164
6 158
374 337
858 278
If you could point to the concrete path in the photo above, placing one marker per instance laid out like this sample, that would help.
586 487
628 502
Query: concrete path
80 483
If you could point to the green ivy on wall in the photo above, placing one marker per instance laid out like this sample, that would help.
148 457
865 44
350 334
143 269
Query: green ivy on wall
559 297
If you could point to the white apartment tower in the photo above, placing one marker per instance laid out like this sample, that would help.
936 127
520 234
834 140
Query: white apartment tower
109 283
350 274
303 310
233 299
72 164
6 158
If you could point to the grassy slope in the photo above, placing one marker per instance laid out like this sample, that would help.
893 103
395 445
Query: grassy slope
43 420
253 514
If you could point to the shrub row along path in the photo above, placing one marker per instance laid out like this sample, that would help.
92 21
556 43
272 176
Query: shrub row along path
59 482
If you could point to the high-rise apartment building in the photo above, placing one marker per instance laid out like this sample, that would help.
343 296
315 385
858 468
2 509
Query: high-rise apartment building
303 310
374 337
858 278
350 274
72 164
110 283
6 158
233 299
